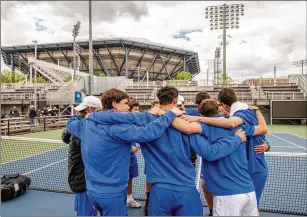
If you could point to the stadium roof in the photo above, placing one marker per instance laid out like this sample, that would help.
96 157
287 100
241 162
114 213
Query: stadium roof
185 58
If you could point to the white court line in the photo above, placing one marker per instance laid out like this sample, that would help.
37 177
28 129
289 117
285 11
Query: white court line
288 141
292 135
32 171
273 146
44 152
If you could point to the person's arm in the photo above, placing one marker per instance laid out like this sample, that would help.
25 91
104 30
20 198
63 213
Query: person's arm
151 131
66 136
219 149
185 126
109 117
228 123
74 126
261 128
264 147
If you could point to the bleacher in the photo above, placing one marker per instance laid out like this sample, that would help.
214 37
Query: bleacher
250 94
142 94
283 91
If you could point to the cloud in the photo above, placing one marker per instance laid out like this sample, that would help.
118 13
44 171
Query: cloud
183 34
39 26
274 32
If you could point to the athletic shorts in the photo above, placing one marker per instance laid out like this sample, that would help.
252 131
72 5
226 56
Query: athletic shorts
235 205
111 204
166 202
133 168
259 180
83 206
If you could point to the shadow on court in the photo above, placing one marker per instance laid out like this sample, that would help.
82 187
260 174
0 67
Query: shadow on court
39 203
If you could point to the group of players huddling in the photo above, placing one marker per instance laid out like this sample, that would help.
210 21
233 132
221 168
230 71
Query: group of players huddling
227 134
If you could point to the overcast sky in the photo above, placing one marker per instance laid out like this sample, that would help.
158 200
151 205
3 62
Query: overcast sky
270 34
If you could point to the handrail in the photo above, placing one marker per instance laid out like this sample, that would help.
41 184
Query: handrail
300 81
57 67
5 96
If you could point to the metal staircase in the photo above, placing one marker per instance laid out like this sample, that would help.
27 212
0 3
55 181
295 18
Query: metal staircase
55 73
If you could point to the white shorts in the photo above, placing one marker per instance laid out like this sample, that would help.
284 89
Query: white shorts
235 205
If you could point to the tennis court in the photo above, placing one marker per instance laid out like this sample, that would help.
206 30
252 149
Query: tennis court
45 162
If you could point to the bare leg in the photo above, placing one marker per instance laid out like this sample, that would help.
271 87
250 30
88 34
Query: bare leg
130 201
129 188
208 197
148 186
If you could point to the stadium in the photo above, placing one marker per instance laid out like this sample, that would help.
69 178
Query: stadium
33 145
112 57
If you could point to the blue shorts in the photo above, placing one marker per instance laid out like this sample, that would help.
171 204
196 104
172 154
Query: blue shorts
166 202
111 204
133 168
259 180
83 205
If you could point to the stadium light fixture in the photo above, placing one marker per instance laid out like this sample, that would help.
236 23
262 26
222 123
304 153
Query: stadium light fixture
35 73
223 17
75 33
300 64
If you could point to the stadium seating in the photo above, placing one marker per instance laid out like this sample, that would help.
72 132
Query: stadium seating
290 91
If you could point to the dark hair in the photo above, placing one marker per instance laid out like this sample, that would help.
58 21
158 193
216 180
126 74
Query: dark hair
167 94
201 96
208 108
112 95
227 96
133 104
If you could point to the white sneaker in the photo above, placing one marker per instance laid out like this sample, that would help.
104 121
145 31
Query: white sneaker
133 204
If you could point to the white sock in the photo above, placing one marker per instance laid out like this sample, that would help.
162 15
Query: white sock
129 197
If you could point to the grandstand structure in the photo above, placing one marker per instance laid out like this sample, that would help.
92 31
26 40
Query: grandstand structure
161 62
133 58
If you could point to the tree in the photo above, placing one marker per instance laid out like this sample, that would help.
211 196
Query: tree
186 76
224 79
9 76
40 79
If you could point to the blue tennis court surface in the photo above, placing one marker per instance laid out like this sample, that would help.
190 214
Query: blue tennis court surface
285 142
48 171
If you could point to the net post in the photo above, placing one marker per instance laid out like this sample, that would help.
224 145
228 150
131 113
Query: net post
44 123
8 127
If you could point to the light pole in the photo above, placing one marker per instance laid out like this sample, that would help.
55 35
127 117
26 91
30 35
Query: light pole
301 64
75 33
224 17
90 49
79 50
35 74
217 55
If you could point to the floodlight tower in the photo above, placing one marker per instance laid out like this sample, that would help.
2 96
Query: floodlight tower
217 55
75 33
90 49
79 50
300 64
35 74
224 17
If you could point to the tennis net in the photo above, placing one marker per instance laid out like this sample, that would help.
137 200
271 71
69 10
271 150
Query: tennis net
45 162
